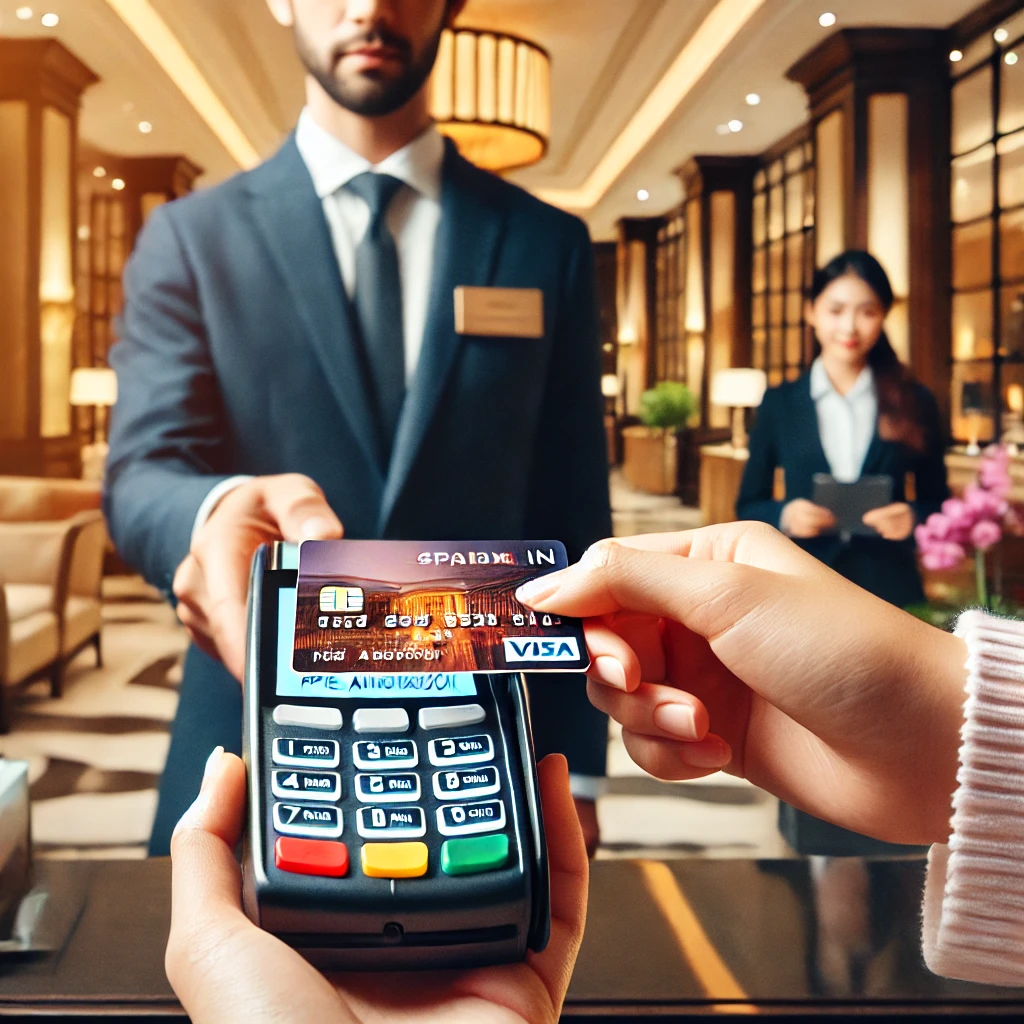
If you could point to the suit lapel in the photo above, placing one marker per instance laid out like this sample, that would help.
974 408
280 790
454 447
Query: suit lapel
807 426
464 254
290 216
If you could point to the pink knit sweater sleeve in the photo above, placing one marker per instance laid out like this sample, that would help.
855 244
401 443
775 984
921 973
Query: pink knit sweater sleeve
974 894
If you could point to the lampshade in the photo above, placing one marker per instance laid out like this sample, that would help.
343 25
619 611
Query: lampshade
490 93
610 385
738 388
93 386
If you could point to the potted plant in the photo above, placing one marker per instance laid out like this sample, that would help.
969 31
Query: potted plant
651 458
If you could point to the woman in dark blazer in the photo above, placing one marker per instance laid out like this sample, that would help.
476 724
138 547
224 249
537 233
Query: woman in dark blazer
857 412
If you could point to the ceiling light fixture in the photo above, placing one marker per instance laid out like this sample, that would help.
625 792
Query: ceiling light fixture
643 195
735 125
956 56
1011 58
117 184
99 172
753 99
722 129
1000 35
50 20
145 127
23 13
490 93
827 20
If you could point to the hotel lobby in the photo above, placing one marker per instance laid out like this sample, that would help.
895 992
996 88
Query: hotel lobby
720 153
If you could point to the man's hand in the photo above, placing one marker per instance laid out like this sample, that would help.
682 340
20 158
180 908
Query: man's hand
893 522
803 519
730 648
225 969
211 583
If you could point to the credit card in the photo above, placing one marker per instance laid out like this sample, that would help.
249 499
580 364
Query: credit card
387 606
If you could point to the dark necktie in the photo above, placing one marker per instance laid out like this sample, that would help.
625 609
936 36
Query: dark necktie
378 302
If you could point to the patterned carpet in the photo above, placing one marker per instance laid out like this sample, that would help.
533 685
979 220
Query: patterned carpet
96 754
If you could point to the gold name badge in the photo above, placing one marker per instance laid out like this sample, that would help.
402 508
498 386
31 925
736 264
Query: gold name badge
499 312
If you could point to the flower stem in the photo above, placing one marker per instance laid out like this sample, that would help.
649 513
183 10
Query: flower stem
979 577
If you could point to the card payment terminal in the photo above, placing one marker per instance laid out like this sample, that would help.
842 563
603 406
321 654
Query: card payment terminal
393 821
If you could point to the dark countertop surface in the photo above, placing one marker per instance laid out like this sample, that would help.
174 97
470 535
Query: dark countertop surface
664 939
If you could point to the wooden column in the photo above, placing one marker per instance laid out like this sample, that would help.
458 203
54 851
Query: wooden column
879 101
41 84
636 314
721 189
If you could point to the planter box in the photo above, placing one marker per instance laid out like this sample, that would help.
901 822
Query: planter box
651 459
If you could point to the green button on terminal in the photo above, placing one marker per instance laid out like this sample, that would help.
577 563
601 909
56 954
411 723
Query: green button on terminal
470 856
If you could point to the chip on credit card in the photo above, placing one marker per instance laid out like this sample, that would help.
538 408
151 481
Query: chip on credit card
429 606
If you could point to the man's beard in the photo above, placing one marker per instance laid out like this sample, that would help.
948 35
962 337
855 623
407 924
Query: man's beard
363 94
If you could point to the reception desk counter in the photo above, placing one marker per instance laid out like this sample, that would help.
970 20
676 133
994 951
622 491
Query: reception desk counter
665 939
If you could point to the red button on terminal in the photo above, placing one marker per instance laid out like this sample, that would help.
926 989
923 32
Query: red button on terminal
311 856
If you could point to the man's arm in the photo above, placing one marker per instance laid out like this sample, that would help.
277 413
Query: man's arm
568 498
167 433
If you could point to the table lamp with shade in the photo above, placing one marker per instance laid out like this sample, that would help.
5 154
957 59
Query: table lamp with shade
739 389
95 387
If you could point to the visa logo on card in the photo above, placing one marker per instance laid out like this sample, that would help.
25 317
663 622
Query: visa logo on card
524 648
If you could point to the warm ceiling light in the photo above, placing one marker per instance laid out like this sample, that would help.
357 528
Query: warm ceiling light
827 20
491 95
1011 58
99 172
723 129
735 125
720 27
117 184
956 55
50 20
152 31
753 99
23 13
643 195
1000 35
145 127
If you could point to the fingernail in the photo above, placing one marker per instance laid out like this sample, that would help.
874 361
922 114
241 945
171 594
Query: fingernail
315 527
211 766
676 719
710 752
540 589
609 670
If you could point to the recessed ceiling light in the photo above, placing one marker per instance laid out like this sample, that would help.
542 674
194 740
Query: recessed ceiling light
1000 35
99 172
145 127
827 20
723 129
50 20
735 125
643 195
23 13
117 184
956 55
1011 58
753 99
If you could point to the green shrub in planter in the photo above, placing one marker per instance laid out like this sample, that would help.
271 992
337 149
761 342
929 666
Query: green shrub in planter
668 405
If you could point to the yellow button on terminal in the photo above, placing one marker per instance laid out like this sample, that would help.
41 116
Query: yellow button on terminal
394 860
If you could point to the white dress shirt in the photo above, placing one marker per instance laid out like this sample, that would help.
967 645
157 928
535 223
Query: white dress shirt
846 423
412 218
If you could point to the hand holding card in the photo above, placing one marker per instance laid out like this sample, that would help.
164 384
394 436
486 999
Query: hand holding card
428 606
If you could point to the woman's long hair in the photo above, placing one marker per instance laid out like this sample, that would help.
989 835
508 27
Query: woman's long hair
899 408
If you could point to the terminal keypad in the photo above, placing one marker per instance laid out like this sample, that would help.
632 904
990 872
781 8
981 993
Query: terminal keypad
397 797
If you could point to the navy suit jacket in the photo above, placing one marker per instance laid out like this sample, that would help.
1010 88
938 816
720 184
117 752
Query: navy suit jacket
240 354
786 434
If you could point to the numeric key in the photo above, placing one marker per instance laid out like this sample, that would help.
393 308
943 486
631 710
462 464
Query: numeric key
459 750
460 783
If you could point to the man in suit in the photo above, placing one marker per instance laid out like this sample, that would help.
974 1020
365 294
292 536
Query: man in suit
290 368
